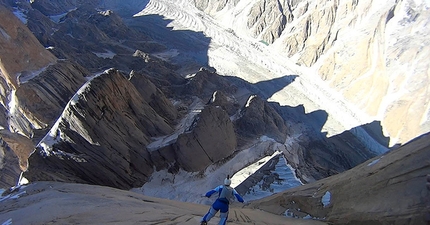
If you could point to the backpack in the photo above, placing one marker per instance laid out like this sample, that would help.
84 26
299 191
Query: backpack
226 194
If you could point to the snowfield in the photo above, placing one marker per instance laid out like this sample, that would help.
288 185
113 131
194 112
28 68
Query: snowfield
190 187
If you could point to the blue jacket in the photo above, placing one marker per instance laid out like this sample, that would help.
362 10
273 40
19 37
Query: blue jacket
219 190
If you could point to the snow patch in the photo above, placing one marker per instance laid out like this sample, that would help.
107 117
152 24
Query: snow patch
167 55
159 142
105 55
287 180
375 161
214 97
248 103
289 214
7 222
22 180
13 196
246 172
20 13
177 186
5 35
12 103
57 18
326 199
25 76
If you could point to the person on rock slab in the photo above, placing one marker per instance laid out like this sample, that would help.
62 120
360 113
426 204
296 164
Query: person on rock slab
225 193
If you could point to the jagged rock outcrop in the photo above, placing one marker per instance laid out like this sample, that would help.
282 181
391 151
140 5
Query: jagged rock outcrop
258 118
229 104
204 83
154 97
101 137
364 194
210 139
267 20
374 54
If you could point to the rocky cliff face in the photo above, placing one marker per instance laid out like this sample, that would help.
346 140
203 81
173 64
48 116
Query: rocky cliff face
210 139
373 54
112 124
21 53
9 166
257 118
117 128
364 194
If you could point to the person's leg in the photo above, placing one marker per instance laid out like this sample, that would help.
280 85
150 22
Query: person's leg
223 215
223 218
211 213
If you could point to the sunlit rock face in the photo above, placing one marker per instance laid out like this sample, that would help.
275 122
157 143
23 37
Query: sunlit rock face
374 54
42 99
20 52
34 90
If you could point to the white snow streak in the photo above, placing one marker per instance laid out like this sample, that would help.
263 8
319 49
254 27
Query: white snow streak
326 199
248 103
244 173
4 33
177 186
57 18
194 110
25 76
7 222
12 103
375 161
105 55
20 13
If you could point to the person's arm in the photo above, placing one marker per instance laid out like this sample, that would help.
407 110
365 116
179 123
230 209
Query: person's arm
211 192
239 198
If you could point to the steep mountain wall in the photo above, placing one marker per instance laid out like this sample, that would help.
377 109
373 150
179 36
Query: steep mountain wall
374 54
21 54
387 189
117 128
